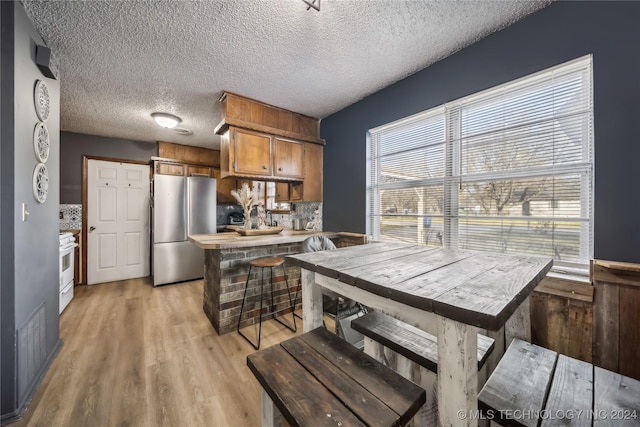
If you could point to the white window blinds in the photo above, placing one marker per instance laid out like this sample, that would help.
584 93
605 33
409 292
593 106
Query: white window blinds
507 170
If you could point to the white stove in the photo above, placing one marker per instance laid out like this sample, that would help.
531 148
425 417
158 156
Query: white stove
67 245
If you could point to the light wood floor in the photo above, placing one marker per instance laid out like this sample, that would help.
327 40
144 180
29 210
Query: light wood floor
135 355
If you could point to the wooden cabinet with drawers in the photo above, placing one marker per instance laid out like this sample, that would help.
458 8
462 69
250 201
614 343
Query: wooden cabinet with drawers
195 170
224 186
267 143
169 168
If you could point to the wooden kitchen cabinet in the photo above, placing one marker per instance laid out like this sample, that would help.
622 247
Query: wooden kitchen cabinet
181 169
288 160
250 153
296 191
170 168
223 188
246 113
193 170
282 192
263 142
176 167
289 191
313 157
188 154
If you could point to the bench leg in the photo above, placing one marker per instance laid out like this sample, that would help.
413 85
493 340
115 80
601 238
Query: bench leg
271 417
458 373
427 416
311 301
374 349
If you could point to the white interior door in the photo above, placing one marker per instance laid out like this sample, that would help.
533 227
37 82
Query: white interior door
117 220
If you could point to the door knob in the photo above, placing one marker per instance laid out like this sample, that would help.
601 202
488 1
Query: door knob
91 228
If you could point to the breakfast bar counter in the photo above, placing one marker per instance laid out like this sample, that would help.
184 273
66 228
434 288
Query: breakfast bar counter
226 265
229 240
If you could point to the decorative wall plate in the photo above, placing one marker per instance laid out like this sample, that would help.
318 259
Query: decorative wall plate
41 142
40 182
41 100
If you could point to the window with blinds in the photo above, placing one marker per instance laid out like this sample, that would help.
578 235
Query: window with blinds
507 170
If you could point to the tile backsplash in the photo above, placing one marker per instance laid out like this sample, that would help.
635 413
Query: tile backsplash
305 210
70 217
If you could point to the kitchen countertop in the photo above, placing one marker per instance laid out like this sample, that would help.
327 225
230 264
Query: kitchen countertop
230 240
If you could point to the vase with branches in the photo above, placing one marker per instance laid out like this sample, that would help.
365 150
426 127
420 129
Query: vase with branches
245 198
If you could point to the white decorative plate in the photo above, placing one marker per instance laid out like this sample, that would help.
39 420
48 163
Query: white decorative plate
41 100
40 182
41 142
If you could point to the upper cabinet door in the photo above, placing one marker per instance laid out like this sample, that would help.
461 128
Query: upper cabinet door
251 153
312 191
289 158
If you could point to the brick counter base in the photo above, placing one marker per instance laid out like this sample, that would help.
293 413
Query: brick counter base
226 273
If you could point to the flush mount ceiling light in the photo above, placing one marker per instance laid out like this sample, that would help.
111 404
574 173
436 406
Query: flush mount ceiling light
166 120
313 4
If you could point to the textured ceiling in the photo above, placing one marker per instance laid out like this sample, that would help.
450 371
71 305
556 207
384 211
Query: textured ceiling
119 61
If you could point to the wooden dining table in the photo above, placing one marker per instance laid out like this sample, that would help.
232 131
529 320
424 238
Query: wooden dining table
452 294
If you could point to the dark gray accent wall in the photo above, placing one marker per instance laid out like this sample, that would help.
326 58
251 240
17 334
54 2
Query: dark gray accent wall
556 34
7 282
75 145
29 248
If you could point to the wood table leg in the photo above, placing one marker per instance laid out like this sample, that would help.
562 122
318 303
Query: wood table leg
271 417
519 324
498 350
311 301
457 373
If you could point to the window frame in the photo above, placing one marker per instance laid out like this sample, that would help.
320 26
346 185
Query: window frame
454 176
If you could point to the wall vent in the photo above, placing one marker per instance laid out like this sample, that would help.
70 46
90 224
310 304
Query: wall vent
32 349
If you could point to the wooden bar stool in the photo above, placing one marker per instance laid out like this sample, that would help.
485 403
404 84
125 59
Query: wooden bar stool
262 263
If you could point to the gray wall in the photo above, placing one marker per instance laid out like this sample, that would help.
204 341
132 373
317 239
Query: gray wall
74 145
7 282
29 249
555 34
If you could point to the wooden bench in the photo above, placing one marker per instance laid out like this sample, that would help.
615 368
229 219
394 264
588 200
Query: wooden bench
534 386
416 347
318 379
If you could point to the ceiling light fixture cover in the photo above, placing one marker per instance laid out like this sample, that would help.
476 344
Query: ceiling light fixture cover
166 120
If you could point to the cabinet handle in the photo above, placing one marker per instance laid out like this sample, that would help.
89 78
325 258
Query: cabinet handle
280 169
264 167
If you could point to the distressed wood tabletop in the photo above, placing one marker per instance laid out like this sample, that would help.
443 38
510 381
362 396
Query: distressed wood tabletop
476 288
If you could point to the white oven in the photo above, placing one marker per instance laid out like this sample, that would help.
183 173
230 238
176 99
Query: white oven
67 246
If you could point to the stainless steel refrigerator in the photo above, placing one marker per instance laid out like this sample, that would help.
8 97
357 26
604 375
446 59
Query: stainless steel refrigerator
181 206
